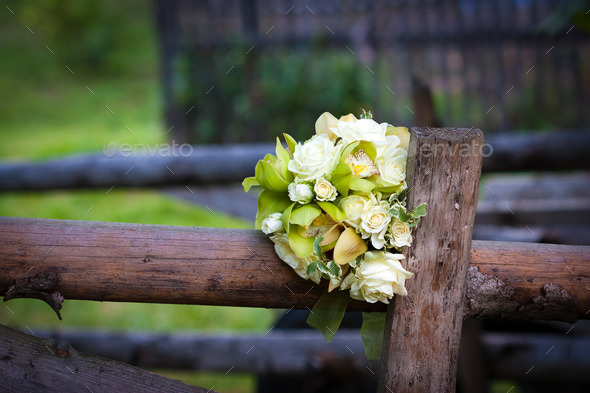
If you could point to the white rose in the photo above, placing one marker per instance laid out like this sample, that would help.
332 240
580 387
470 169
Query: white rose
360 130
272 223
353 206
391 142
299 265
392 167
315 158
374 222
401 234
379 277
300 192
324 190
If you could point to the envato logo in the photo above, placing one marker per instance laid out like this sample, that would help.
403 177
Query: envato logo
447 150
127 150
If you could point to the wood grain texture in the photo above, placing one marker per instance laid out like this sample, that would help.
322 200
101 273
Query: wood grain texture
187 265
423 329
31 364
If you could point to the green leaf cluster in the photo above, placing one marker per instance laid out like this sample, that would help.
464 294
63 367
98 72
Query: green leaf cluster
366 115
412 218
272 172
328 269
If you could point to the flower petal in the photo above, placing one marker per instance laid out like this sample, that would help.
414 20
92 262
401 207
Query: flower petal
348 247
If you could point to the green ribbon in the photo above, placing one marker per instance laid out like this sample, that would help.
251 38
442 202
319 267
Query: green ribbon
328 312
327 315
372 332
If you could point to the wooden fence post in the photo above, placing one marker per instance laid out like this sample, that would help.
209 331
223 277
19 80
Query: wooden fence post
423 329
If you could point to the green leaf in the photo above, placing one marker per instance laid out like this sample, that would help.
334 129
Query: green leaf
317 248
419 211
413 224
286 217
328 312
341 178
269 179
333 269
402 195
290 142
323 268
301 246
403 215
358 184
357 262
311 268
333 211
268 203
372 331
249 182
284 159
305 214
389 190
366 115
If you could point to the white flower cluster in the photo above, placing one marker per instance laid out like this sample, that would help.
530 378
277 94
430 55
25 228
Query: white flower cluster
372 219
334 206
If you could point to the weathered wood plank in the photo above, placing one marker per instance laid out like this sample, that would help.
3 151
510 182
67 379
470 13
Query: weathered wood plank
535 186
232 163
183 165
538 151
32 364
280 351
554 203
423 329
547 208
188 265
508 355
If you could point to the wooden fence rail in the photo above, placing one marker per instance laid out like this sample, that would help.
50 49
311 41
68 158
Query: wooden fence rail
296 351
563 150
33 364
228 267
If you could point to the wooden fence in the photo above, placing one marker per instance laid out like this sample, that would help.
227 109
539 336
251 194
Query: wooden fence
299 351
222 62
123 166
455 279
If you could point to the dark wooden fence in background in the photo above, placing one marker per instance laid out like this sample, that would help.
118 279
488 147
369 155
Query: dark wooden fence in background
497 65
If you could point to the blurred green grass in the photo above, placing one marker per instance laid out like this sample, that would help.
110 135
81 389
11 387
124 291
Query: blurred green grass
117 205
50 113
59 117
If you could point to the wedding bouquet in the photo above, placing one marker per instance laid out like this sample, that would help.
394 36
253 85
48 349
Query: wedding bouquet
335 205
